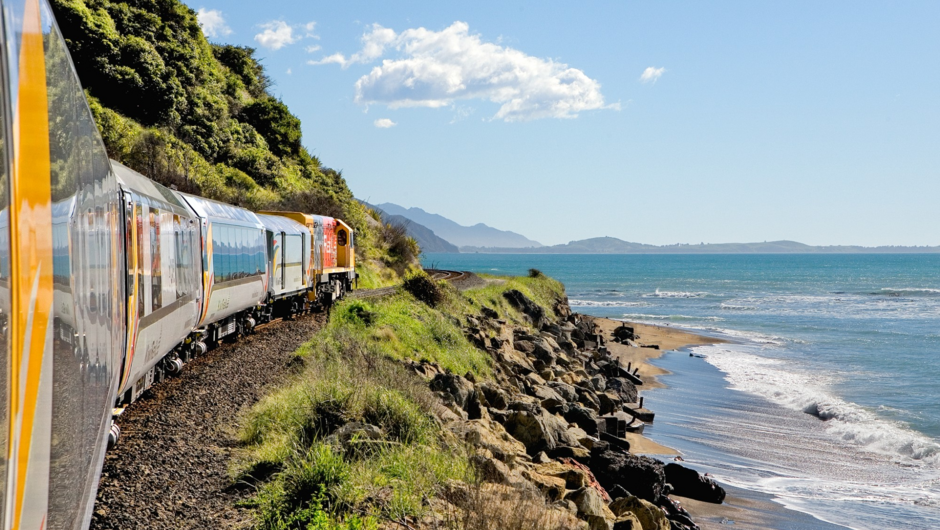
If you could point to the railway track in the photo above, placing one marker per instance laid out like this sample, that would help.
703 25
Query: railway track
450 276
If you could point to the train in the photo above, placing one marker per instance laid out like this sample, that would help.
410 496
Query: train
111 282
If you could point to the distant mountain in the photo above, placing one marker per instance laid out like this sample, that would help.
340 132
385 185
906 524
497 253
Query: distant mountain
612 245
478 235
426 238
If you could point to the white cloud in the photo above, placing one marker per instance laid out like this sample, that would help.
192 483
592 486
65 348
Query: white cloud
373 47
651 74
384 123
212 22
276 35
312 48
308 27
438 68
289 72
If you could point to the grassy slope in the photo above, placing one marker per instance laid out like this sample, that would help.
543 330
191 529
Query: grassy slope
352 372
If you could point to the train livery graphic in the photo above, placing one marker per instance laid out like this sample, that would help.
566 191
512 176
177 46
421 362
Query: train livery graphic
110 282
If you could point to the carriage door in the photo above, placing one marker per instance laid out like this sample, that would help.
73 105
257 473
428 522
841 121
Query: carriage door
283 261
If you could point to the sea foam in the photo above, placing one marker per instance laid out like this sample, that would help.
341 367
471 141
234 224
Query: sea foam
781 383
605 303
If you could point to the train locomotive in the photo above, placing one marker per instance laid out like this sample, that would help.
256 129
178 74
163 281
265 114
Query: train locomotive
110 282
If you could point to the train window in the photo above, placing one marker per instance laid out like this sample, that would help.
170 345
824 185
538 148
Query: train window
243 257
341 238
294 250
226 252
156 277
259 252
216 252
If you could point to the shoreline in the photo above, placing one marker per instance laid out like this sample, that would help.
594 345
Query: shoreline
745 509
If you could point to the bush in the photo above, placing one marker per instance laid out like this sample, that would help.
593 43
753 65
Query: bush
401 247
274 121
422 287
535 273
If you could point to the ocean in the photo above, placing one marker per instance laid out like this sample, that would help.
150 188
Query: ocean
827 398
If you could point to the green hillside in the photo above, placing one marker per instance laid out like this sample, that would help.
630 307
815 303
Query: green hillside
200 116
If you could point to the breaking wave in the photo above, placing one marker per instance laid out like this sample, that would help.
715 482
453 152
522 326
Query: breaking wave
675 294
608 303
774 380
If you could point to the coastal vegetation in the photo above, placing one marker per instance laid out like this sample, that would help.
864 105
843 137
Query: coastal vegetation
356 438
201 117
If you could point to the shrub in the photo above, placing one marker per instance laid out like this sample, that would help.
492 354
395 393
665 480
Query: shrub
422 287
535 273
401 247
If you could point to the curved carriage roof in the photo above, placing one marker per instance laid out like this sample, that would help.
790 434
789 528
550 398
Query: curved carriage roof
219 212
159 196
277 224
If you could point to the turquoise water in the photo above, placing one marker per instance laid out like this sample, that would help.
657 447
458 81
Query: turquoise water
829 396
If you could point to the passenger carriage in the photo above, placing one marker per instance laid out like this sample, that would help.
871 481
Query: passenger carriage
163 280
289 265
234 267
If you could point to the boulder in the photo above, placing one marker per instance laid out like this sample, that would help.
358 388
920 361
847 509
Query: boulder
628 521
610 402
491 436
353 432
677 515
425 369
490 469
551 328
650 516
583 417
533 379
597 522
552 487
521 302
588 398
641 475
590 502
599 382
475 409
493 396
565 390
543 392
543 352
525 346
571 476
537 431
576 452
623 388
689 483
454 385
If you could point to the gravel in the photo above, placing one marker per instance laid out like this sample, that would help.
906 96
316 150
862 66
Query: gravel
170 469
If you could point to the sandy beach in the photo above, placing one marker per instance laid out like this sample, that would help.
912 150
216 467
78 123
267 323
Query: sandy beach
742 508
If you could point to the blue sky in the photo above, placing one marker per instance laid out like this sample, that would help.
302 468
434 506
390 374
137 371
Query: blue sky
812 121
